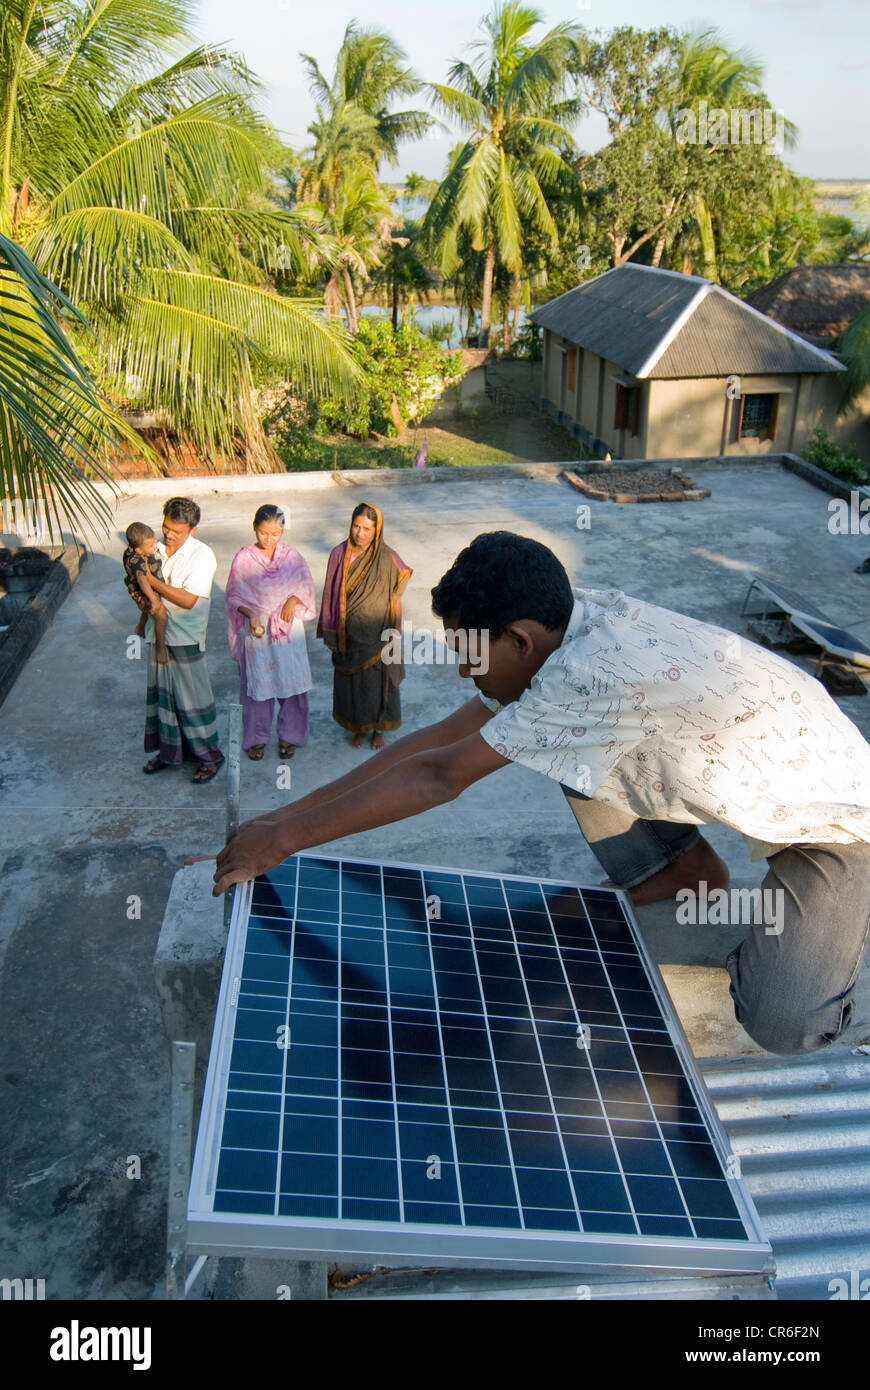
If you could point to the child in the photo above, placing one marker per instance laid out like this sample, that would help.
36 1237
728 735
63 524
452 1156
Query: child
140 559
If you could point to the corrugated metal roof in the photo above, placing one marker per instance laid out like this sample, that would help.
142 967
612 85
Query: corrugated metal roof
661 324
621 315
801 1129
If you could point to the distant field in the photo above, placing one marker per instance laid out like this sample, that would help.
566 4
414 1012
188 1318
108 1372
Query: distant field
841 188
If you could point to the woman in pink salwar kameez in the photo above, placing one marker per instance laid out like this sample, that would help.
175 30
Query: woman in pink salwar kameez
269 594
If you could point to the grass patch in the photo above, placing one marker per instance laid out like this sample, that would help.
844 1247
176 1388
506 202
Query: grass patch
474 439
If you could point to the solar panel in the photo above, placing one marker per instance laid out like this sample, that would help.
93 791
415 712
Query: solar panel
432 1066
834 639
785 599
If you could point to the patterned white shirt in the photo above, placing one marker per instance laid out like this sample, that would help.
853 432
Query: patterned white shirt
667 718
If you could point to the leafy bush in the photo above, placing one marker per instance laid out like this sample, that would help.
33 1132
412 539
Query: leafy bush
843 463
529 342
289 423
405 364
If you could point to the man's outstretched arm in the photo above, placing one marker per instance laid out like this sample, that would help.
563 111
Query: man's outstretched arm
410 786
464 721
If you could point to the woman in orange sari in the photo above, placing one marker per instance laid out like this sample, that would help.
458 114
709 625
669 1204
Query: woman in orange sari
365 580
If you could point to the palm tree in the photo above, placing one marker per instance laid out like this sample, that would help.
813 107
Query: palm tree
707 70
404 276
361 224
54 426
354 128
139 188
413 185
511 102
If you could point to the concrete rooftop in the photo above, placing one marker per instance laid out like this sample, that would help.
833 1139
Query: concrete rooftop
84 1074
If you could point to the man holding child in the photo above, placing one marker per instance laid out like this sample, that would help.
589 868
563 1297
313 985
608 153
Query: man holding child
180 708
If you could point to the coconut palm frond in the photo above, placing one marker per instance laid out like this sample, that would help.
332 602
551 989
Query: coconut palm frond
54 427
192 336
853 347
99 252
459 106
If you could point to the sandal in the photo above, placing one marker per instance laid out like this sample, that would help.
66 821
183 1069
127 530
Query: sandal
205 772
256 751
155 765
286 750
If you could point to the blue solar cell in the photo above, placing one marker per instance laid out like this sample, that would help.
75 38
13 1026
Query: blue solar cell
403 1051
599 1192
311 1174
250 1203
505 1218
433 1214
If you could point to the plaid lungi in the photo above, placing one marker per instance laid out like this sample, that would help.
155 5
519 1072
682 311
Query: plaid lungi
179 707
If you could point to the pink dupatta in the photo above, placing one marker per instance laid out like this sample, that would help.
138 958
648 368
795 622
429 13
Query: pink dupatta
263 586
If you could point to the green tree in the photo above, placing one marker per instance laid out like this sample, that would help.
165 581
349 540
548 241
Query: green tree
135 173
853 347
708 71
404 275
511 101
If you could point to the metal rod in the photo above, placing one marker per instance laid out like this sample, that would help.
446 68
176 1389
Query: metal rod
183 1057
234 773
198 1267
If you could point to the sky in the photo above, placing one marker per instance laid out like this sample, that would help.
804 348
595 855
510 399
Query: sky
816 56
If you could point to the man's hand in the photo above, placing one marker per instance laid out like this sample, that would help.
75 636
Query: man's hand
258 846
289 609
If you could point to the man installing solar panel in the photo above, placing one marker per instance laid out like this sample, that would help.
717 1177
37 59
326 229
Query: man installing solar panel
653 724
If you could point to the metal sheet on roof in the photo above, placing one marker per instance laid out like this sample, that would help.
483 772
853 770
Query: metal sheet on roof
627 314
621 315
722 336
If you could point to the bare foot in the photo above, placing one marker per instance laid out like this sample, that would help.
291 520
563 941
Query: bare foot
377 739
162 656
699 865
356 741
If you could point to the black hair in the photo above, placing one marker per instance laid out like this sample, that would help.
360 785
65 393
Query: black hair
501 577
182 509
363 509
268 512
136 533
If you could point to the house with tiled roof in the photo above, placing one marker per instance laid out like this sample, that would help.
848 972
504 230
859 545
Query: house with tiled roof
647 363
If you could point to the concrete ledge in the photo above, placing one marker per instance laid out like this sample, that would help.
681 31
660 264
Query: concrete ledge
188 962
323 479
820 478
35 617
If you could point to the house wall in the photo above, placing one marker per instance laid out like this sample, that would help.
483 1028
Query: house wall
588 411
689 418
693 418
851 430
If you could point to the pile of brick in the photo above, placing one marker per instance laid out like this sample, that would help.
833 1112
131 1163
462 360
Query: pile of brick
637 486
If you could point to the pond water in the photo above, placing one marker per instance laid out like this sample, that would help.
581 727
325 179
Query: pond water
843 206
427 314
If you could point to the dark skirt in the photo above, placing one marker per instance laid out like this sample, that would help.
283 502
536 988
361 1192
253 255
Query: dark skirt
366 700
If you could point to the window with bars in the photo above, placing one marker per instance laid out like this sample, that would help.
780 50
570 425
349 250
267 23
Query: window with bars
758 417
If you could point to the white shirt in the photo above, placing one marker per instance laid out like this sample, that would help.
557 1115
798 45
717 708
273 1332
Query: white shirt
191 567
667 718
